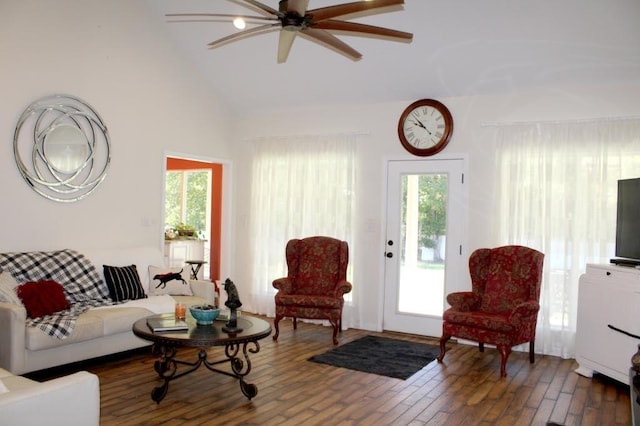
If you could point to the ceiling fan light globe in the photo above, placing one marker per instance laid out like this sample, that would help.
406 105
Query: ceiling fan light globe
239 23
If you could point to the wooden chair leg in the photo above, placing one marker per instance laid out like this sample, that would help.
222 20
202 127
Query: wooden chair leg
335 331
275 325
443 346
504 351
481 346
295 323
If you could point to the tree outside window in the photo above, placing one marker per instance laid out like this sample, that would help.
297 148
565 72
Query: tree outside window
187 192
432 209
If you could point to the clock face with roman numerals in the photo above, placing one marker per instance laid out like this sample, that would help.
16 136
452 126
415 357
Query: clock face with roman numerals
425 127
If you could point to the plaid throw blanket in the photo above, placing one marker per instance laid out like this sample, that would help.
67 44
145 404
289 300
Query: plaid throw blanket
79 278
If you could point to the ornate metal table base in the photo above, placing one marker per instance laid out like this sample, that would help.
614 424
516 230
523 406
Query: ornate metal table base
167 366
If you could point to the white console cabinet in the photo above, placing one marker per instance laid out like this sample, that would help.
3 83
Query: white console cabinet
608 320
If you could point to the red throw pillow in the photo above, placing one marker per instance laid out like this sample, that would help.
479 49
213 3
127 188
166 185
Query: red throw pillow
42 298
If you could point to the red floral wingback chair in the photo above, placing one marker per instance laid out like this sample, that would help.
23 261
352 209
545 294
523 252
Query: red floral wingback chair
316 282
502 308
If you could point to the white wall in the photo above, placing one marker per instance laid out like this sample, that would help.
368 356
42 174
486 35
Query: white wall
116 56
379 122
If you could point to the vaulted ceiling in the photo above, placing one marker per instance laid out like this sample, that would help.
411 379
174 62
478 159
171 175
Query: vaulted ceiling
460 47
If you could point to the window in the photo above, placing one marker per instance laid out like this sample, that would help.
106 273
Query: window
186 200
301 186
557 189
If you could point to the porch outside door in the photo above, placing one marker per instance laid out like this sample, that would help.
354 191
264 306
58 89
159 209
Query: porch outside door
424 251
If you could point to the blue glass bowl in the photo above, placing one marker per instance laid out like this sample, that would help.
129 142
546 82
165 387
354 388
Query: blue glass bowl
204 315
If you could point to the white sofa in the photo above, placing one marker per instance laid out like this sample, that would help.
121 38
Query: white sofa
72 400
99 331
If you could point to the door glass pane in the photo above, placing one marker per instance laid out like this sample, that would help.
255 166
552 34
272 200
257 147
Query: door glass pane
423 239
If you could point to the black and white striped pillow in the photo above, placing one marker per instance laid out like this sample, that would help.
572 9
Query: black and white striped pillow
123 282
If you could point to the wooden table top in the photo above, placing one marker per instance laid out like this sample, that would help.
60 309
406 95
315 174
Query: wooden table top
253 329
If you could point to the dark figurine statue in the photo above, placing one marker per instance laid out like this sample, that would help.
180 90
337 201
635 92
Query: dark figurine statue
233 300
233 303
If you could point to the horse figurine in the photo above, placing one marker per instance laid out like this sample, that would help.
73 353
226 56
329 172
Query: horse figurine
233 303
233 300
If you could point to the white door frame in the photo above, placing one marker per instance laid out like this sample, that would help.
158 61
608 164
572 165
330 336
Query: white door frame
460 282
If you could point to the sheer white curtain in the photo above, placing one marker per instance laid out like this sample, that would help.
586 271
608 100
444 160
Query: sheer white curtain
301 186
557 192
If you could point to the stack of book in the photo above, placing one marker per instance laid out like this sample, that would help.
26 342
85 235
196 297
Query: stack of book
159 323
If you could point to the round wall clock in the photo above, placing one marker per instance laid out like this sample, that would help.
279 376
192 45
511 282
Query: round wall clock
425 127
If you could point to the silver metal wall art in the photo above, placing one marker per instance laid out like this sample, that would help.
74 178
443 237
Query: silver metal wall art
61 147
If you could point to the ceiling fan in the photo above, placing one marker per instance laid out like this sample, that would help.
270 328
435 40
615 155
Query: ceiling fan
317 25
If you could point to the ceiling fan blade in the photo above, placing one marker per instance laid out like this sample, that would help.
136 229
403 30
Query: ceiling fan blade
284 45
262 29
297 6
327 39
211 17
361 8
363 30
260 7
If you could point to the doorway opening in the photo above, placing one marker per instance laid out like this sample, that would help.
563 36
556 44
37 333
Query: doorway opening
193 214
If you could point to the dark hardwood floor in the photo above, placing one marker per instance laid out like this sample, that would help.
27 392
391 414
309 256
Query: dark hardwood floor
464 390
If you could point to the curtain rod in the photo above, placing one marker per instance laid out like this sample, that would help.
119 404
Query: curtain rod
308 135
572 121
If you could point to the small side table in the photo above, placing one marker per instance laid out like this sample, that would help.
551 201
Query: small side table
195 267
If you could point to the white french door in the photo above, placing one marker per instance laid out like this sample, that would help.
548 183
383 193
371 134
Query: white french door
426 213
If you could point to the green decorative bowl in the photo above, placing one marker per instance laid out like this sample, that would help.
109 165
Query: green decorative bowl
205 314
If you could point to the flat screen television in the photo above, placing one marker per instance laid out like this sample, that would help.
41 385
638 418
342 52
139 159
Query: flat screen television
628 223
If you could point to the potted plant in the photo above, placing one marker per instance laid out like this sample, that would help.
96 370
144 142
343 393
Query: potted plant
185 230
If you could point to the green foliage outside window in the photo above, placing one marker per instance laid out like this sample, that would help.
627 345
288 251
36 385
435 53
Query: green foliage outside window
196 213
186 199
173 199
432 209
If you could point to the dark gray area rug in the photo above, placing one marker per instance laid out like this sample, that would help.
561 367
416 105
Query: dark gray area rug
381 355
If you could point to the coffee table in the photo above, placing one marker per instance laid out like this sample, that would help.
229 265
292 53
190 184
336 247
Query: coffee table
237 347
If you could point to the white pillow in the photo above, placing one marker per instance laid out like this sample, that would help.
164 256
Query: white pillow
173 281
3 388
8 286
